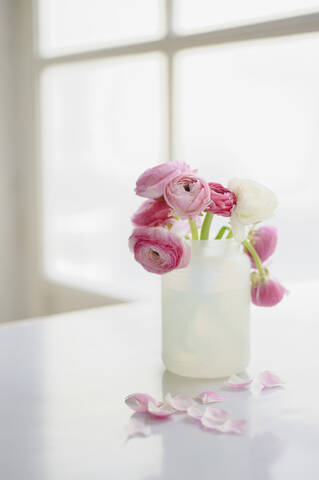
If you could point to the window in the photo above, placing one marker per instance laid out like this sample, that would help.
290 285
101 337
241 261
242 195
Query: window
230 87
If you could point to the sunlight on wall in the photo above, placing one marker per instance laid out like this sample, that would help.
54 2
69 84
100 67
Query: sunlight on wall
203 15
102 124
251 110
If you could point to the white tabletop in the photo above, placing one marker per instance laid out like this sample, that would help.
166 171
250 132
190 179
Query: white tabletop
63 380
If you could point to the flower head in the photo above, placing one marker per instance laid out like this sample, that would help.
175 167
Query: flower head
152 182
266 292
187 194
158 250
152 213
264 240
222 200
255 203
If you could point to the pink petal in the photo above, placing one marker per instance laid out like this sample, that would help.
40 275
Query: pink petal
209 423
137 426
178 403
194 412
267 293
256 387
232 426
159 411
215 415
269 379
139 401
264 240
210 397
237 383
218 420
264 380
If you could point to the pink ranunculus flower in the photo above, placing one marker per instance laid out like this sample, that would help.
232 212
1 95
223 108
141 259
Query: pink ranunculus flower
264 240
158 250
266 292
222 200
152 182
152 213
188 195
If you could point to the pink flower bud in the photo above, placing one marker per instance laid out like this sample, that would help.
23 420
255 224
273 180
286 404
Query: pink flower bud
152 182
264 241
267 292
158 250
188 195
222 200
152 213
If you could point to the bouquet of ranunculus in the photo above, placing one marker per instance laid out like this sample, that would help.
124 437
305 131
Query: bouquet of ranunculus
177 201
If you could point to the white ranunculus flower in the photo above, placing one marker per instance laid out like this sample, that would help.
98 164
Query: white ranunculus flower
255 203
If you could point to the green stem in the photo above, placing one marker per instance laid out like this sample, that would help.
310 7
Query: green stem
221 232
204 234
255 256
193 229
230 234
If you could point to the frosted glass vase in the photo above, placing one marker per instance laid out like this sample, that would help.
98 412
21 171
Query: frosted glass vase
206 312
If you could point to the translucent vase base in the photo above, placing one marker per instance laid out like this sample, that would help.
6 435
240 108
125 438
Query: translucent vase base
189 365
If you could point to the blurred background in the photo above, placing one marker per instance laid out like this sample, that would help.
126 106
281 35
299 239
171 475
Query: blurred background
93 92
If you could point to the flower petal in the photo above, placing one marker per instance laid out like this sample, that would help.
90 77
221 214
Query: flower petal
210 397
237 383
194 412
215 415
139 401
232 426
256 387
218 420
269 379
179 403
159 411
266 293
208 422
238 228
137 426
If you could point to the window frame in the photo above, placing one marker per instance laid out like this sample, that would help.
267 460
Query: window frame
170 44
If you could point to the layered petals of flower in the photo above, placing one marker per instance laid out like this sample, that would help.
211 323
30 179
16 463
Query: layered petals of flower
264 240
158 250
222 200
188 195
152 213
152 182
255 203
267 292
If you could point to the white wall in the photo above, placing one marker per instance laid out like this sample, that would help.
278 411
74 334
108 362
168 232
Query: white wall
10 281
15 281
